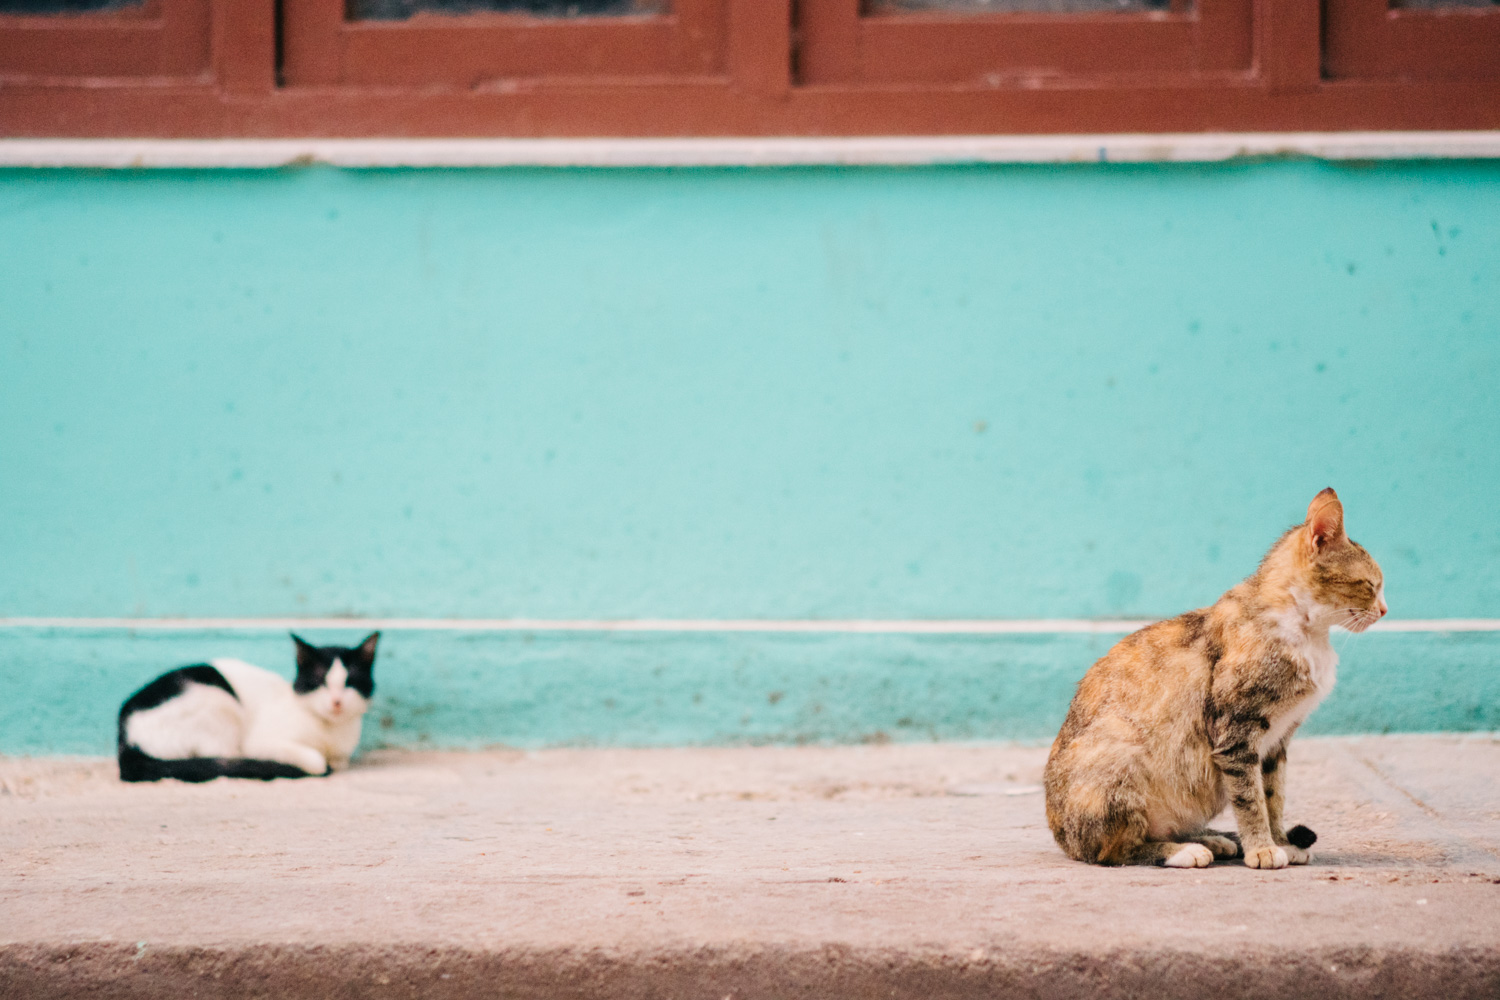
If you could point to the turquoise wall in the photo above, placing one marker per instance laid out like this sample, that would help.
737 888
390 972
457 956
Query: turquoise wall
991 391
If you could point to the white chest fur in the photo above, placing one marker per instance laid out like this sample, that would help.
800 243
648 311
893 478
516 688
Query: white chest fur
1315 658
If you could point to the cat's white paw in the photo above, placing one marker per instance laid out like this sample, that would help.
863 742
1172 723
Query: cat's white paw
1296 855
300 756
1222 847
1190 856
1265 857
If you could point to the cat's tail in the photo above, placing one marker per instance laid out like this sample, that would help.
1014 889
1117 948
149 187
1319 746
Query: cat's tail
137 765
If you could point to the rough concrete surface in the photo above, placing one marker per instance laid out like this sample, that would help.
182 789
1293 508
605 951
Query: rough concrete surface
892 871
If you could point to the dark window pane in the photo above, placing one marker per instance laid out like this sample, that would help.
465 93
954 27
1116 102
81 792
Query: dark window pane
64 6
1015 6
400 10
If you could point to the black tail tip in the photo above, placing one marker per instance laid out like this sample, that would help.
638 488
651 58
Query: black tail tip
1301 836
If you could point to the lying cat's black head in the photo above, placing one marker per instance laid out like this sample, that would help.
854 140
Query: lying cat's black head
336 680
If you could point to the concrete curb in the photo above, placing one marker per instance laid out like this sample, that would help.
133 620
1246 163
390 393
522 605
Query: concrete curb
122 972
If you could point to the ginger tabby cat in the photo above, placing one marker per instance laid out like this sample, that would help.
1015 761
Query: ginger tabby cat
1190 714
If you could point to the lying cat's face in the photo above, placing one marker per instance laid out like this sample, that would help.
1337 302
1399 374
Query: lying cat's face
334 681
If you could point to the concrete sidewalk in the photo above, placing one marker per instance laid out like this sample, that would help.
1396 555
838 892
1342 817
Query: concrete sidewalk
893 871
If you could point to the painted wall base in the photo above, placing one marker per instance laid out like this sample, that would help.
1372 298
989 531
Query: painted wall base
466 689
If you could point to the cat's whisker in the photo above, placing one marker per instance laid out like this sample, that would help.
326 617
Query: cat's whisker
1355 619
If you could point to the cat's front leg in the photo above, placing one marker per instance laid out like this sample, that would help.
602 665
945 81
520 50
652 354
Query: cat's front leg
1240 764
1273 778
295 754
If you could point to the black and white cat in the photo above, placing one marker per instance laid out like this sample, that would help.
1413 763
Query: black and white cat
229 718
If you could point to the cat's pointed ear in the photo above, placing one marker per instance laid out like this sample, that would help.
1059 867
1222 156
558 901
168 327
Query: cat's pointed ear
306 651
1325 520
366 649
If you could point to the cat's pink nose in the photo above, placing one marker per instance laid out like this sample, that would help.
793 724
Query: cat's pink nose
1383 609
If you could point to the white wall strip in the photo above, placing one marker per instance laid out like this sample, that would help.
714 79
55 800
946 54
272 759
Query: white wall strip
753 152
1037 626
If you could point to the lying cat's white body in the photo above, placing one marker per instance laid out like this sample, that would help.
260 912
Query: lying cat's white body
232 718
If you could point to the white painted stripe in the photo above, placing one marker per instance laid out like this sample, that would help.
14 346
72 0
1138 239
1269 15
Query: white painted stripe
1036 626
919 627
748 151
1438 625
